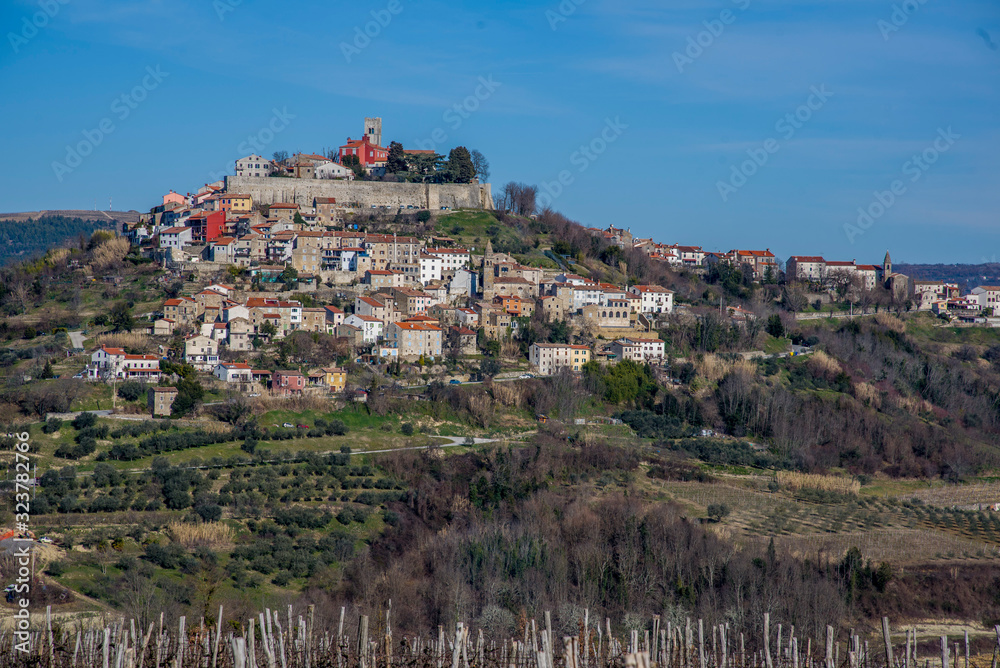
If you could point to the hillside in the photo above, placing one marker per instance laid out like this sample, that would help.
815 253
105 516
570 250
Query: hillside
26 235
845 483
966 275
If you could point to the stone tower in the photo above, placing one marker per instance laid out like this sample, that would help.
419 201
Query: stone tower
887 266
373 128
488 265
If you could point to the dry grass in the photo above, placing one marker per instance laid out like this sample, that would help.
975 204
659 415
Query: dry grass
131 340
868 395
109 254
823 366
714 368
971 495
891 322
210 534
306 402
897 546
826 483
913 405
508 394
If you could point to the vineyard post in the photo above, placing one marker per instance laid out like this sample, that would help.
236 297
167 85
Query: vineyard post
767 640
888 642
701 643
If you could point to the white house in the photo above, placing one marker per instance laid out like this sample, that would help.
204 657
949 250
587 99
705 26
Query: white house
654 299
430 268
201 352
806 268
586 294
370 326
550 357
114 363
333 170
175 237
254 165
638 350
988 296
233 372
452 259
467 317
232 310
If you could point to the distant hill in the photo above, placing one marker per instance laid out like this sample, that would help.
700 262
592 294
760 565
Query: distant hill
26 235
83 214
967 276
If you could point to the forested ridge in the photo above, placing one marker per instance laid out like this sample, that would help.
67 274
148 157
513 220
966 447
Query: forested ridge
21 240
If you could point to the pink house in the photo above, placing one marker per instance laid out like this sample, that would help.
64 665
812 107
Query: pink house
287 382
177 198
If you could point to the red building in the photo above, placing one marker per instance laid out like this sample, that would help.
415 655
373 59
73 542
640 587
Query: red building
287 382
207 226
369 155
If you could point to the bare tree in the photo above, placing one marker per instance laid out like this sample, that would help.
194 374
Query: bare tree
481 165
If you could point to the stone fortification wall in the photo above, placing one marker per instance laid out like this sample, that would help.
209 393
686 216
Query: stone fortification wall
363 194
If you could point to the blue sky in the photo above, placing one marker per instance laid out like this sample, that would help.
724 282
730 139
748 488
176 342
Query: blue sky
646 110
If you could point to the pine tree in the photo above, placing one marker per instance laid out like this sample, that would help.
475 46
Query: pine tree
396 162
459 168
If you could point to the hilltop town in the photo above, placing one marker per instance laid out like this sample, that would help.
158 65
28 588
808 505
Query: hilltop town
419 297
258 390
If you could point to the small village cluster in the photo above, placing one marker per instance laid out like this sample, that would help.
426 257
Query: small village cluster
417 299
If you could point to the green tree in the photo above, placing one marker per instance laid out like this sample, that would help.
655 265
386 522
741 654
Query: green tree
298 219
353 163
290 276
460 168
189 395
490 366
426 164
774 326
121 317
396 162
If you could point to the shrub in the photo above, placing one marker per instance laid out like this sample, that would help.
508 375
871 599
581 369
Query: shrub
209 512
52 425
406 429
132 390
55 569
716 511
84 420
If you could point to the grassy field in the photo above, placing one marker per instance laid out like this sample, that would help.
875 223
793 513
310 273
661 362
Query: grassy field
893 528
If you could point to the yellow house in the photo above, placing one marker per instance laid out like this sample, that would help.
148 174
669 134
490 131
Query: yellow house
336 378
236 203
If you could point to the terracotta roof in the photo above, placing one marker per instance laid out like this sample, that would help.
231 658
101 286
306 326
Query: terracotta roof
417 326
